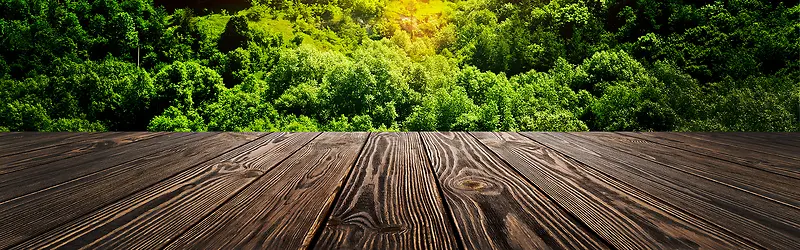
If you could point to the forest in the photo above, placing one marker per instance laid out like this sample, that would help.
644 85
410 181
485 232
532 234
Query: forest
400 65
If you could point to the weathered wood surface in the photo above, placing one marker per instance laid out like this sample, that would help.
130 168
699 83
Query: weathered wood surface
493 206
766 223
182 199
37 213
285 207
778 189
23 142
79 145
776 164
390 201
772 146
623 216
36 178
425 190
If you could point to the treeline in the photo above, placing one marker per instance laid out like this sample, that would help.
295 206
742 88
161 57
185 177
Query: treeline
357 65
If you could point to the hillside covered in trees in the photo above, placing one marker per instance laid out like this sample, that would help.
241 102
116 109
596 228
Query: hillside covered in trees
357 65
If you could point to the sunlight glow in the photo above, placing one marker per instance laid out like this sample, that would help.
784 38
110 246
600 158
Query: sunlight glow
418 18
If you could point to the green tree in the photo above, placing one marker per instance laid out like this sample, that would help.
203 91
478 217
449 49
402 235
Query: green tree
186 86
236 34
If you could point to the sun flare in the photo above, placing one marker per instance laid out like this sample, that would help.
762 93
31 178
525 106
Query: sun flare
418 18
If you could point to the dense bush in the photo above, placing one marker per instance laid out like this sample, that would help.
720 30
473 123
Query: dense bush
309 65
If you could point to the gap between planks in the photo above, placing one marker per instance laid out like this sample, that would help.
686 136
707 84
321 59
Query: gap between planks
57 199
720 209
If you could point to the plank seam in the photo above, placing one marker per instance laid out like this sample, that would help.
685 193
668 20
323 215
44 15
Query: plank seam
737 146
712 156
68 142
178 236
703 177
688 213
68 157
98 170
328 212
45 147
564 210
454 227
50 146
134 192
751 136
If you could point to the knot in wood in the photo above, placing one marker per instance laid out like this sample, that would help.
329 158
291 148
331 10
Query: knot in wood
484 187
229 166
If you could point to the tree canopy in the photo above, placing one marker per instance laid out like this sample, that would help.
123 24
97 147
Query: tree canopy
392 65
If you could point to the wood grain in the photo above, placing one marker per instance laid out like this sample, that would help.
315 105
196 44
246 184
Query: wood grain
626 218
399 190
91 143
788 139
140 220
390 201
768 224
5 134
763 146
32 179
771 163
779 189
29 215
27 141
283 208
493 206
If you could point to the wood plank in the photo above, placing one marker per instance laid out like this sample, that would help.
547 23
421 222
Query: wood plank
92 143
27 141
30 180
161 212
493 206
779 189
771 163
30 215
626 218
390 201
285 207
766 147
789 139
5 135
768 224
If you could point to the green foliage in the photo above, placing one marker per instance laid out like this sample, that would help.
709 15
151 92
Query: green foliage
75 125
235 35
391 65
115 92
174 119
24 116
445 109
239 108
187 86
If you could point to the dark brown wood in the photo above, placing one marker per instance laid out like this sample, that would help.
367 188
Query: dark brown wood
285 207
27 141
138 221
93 143
780 189
29 215
789 139
732 139
390 201
771 163
8 137
132 190
768 224
625 217
493 206
32 179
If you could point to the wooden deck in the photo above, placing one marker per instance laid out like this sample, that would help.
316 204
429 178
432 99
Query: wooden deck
425 190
